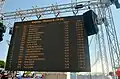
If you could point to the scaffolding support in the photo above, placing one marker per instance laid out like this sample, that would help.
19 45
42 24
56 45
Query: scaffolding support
103 9
53 10
112 39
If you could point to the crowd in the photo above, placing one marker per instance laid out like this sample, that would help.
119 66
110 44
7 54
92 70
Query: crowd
6 75
9 75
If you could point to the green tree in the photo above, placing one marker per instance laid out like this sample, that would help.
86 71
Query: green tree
2 63
28 72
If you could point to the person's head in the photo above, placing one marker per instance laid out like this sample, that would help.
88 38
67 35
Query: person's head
111 73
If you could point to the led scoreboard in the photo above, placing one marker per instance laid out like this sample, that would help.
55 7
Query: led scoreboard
55 45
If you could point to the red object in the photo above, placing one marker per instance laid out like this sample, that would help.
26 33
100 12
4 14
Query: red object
42 76
118 72
118 77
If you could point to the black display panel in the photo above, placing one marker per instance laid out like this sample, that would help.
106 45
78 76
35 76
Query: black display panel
51 45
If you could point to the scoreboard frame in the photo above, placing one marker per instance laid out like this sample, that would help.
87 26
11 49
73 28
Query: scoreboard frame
12 61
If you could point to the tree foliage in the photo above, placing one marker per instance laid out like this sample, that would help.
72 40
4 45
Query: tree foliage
28 72
2 63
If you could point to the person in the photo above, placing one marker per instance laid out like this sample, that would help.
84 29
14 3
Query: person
110 75
0 75
4 75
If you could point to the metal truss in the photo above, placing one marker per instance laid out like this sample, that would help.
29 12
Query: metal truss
112 39
1 5
101 39
111 36
102 50
55 10
104 16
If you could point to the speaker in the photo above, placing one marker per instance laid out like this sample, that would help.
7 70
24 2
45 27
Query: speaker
90 22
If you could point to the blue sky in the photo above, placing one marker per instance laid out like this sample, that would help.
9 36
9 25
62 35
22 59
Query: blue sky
12 5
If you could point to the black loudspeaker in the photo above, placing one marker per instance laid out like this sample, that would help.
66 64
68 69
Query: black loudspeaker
1 31
1 36
90 22
116 2
11 31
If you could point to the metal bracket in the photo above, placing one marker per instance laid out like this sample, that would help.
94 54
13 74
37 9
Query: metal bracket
19 13
39 12
55 10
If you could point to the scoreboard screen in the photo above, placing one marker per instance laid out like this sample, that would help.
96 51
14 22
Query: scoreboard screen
51 45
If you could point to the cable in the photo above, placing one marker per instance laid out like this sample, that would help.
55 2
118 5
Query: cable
91 40
96 54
